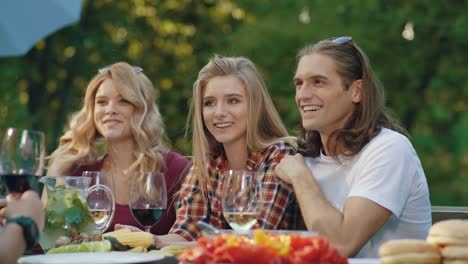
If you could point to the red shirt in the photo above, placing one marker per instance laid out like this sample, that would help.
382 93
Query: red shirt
177 167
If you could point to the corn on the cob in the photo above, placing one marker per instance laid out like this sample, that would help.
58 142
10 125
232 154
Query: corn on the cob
134 239
138 249
120 231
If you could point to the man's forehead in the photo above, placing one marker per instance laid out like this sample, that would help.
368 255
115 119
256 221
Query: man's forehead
315 65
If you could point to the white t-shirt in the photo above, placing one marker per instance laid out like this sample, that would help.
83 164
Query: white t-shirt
388 172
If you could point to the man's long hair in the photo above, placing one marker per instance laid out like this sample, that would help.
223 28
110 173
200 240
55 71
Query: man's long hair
369 115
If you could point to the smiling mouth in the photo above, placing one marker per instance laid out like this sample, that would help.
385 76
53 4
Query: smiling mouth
223 125
311 108
111 121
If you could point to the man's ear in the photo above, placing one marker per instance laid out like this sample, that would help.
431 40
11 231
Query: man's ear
356 91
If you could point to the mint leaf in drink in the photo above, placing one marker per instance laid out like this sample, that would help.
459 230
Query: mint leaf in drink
72 215
67 215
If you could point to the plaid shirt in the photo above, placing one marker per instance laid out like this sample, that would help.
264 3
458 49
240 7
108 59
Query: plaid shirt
280 210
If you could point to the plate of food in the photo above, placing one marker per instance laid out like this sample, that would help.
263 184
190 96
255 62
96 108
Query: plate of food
261 247
95 257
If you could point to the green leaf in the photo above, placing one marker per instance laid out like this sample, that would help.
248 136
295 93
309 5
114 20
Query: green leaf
73 215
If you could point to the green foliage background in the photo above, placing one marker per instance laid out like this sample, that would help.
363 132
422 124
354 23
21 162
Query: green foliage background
426 77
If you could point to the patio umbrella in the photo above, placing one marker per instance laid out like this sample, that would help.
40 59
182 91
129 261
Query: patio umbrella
24 22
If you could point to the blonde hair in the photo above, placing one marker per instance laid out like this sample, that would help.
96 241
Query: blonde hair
79 142
264 126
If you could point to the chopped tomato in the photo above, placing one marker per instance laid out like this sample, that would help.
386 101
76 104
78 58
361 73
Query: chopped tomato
263 249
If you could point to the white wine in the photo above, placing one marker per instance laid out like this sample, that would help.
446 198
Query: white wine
100 216
241 221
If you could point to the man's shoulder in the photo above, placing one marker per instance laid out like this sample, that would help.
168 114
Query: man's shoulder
389 137
390 142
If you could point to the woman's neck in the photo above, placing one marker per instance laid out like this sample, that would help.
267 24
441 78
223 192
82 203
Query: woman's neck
237 155
120 154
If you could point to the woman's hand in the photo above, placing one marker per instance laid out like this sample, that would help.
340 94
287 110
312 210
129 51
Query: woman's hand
60 166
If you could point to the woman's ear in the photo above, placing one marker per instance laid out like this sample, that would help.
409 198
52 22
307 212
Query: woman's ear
356 91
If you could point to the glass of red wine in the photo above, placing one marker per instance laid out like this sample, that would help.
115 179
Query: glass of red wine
148 198
21 160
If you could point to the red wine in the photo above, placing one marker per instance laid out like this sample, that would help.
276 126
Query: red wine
19 183
147 217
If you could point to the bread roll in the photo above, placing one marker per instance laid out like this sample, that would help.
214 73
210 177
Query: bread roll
406 251
449 232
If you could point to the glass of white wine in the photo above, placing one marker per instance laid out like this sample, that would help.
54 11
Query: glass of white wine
241 198
100 199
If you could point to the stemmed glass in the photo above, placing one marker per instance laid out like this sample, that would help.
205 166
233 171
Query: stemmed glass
148 199
100 199
241 199
21 160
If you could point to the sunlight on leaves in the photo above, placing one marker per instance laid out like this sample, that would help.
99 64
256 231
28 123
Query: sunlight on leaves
461 106
23 85
166 84
69 52
55 104
238 14
408 31
23 97
120 35
188 30
94 57
135 49
51 86
168 28
304 15
183 49
61 74
40 45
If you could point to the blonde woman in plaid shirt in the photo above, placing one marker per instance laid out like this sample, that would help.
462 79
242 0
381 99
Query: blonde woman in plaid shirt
235 126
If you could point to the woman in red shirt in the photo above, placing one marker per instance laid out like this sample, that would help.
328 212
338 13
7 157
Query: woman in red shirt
119 117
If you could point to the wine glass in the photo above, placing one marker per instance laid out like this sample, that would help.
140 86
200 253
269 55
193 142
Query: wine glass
148 199
241 199
21 160
100 199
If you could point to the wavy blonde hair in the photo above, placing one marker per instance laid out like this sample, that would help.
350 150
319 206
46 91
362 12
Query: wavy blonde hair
264 126
80 141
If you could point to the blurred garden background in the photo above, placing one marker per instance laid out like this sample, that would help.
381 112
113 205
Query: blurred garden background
418 49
